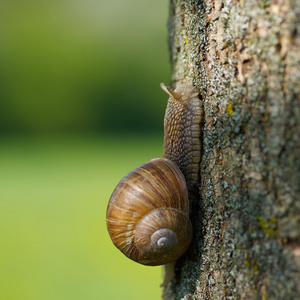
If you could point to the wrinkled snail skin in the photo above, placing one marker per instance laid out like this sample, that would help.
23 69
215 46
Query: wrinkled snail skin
148 212
182 131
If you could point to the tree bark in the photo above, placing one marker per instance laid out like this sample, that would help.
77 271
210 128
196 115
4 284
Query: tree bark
244 57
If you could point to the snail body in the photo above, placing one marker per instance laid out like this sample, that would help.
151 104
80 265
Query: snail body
182 132
148 212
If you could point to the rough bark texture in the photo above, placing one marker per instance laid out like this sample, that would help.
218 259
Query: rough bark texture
244 56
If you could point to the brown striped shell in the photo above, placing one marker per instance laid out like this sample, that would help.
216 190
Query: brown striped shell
148 213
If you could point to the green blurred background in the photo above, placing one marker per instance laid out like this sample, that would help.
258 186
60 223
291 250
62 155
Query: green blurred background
80 106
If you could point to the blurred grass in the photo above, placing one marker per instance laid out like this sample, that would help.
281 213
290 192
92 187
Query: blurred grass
53 197
69 69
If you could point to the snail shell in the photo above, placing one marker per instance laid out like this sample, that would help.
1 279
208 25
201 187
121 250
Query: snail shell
147 214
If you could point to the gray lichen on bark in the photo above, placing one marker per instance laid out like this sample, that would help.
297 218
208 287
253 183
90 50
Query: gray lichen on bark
244 56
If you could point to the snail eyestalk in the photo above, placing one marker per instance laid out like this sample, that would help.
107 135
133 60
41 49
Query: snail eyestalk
168 90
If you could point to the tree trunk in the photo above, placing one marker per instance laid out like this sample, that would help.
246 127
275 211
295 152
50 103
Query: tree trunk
244 57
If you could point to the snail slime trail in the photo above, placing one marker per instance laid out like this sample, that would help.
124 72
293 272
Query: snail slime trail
148 212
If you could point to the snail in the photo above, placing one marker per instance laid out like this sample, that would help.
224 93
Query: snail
148 212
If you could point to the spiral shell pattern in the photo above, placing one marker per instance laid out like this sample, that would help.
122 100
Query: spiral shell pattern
148 213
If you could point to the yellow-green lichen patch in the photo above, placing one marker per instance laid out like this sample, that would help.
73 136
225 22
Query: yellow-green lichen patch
269 227
229 109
